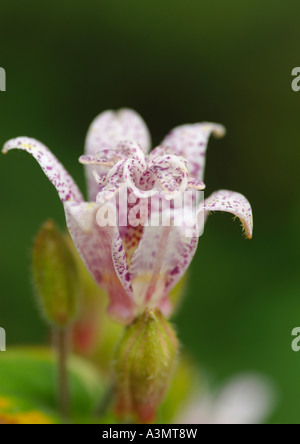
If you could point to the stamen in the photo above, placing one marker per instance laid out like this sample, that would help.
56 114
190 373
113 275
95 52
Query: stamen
97 177
128 177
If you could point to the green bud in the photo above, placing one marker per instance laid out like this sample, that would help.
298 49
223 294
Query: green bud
186 381
55 276
144 365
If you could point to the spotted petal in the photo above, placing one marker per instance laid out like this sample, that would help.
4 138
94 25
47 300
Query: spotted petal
97 159
171 174
94 243
134 173
120 263
56 173
190 142
196 184
158 263
130 148
112 183
230 202
110 128
131 237
108 157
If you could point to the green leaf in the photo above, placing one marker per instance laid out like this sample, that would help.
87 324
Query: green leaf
28 377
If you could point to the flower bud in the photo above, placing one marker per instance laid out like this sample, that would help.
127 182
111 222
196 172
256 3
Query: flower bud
144 365
55 276
187 381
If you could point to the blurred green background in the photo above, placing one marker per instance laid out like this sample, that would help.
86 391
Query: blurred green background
174 62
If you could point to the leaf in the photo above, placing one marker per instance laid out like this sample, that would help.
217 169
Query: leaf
28 380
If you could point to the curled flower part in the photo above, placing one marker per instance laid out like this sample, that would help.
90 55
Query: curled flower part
144 176
190 141
53 169
196 184
171 173
112 182
135 174
230 202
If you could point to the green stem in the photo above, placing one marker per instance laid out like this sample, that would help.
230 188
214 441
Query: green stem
62 347
105 401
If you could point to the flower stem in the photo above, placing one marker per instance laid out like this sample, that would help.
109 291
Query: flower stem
106 401
62 347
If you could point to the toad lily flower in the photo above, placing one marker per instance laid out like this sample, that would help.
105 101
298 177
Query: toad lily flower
137 266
